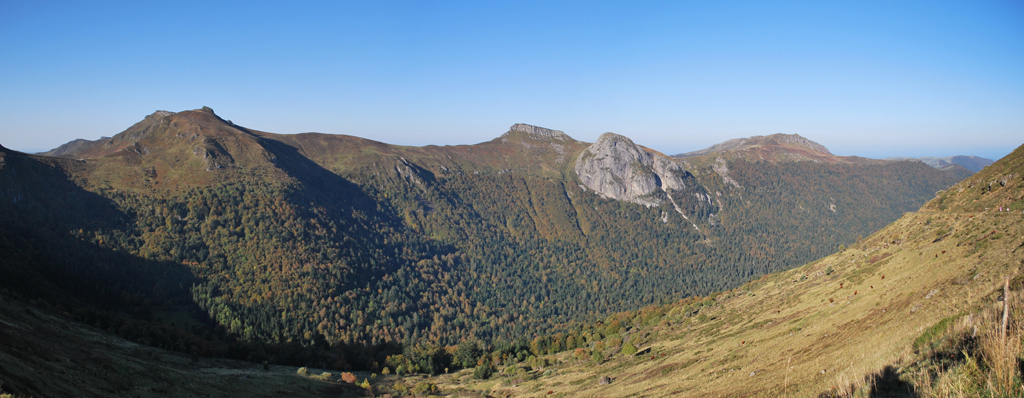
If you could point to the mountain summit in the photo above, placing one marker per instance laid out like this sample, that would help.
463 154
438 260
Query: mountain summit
775 148
617 168
167 149
791 142
535 132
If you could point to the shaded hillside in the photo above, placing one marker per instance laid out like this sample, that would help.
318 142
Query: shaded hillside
338 251
42 355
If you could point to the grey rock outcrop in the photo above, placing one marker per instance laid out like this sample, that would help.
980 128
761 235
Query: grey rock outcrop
617 168
537 133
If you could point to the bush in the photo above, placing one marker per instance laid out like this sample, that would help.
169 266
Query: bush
538 363
628 349
483 372
348 377
579 354
303 371
423 388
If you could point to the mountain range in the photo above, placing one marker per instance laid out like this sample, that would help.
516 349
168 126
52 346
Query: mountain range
194 234
972 163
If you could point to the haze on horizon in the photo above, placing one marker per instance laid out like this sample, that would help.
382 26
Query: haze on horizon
870 79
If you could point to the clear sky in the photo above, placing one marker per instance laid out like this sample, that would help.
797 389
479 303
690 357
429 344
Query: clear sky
875 79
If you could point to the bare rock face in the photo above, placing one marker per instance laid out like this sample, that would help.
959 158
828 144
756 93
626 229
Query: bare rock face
537 133
617 168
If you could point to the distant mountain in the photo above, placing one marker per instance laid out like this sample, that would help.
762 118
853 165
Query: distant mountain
76 146
775 148
781 148
344 251
972 163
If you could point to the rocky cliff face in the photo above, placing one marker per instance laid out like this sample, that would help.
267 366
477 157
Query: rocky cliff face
537 133
617 168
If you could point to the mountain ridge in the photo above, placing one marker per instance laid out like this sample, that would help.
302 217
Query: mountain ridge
347 251
874 318
774 148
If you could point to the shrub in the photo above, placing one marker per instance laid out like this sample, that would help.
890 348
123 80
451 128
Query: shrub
483 372
538 363
423 388
628 349
348 377
303 371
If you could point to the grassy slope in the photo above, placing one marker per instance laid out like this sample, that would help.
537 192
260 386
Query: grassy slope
786 335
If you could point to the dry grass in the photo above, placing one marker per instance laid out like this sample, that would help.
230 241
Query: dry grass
990 366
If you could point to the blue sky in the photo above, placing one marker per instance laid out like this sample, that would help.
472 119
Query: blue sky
862 78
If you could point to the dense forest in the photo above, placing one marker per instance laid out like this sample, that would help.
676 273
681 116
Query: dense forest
424 263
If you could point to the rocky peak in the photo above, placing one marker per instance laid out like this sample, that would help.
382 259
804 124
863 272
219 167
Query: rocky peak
159 114
795 140
537 133
617 168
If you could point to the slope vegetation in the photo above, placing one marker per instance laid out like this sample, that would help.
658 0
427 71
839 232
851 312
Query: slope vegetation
189 232
907 310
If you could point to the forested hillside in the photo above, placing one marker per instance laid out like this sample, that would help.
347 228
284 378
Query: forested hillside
928 305
189 232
